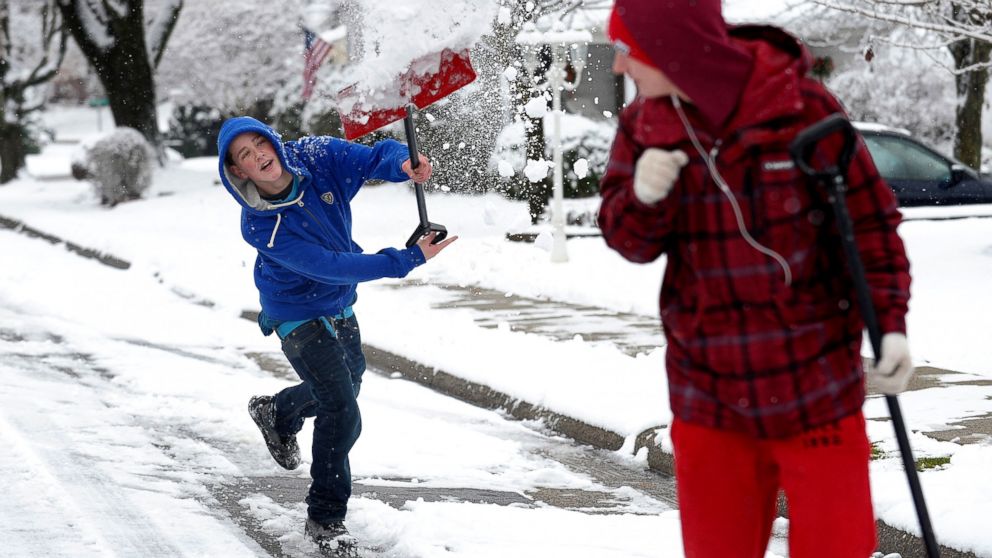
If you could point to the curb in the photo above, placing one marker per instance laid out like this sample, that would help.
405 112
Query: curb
893 540
484 396
90 253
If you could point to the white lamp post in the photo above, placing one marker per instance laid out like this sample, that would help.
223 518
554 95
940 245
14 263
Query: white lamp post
576 42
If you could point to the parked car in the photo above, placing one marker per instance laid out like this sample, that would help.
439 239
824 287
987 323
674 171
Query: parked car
920 175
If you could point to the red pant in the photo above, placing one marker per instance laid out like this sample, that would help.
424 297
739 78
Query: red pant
728 484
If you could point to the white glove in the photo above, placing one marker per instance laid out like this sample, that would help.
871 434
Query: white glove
895 368
656 172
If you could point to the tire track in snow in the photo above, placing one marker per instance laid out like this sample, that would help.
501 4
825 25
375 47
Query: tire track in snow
85 499
91 480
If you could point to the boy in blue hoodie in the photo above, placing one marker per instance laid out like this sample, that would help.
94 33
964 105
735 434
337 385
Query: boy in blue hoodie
295 198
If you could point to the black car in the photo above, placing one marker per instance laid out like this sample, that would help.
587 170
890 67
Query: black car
918 174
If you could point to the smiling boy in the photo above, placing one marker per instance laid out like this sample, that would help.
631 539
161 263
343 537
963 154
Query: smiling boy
296 212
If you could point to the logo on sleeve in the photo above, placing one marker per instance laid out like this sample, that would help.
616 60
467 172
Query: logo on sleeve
328 198
786 164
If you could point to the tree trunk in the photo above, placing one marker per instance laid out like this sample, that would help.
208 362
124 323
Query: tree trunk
971 88
971 85
123 67
9 143
130 86
12 151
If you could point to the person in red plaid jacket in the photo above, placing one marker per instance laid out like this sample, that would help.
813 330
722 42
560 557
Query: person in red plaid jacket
764 344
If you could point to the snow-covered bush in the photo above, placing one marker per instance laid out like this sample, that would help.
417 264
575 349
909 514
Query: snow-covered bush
193 130
119 165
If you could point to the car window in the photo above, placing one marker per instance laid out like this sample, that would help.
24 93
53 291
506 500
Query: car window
901 159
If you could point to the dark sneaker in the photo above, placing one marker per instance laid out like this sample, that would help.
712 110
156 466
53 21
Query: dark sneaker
332 539
284 449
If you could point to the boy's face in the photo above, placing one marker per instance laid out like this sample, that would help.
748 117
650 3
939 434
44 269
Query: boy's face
255 159
650 81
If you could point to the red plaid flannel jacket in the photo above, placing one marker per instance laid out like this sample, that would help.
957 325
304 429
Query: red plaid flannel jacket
745 352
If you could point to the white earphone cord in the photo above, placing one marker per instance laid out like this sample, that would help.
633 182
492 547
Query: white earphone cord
722 184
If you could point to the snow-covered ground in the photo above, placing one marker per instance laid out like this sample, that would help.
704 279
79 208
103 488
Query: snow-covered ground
185 247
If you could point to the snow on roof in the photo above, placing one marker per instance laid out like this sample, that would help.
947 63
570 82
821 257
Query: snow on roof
875 127
750 11
533 35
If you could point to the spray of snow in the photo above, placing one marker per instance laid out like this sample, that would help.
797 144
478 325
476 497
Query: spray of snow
505 169
536 107
536 171
505 16
581 168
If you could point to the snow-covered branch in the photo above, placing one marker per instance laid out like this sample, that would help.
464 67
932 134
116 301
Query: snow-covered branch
160 28
959 29
20 69
914 3
51 31
119 8
92 18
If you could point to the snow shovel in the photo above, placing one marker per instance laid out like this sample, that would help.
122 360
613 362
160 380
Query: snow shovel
834 176
428 79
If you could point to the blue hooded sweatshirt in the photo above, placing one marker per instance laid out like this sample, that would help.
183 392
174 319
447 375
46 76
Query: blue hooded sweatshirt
308 265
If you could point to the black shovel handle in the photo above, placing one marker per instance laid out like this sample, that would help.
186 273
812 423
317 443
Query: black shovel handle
835 176
411 137
425 227
411 144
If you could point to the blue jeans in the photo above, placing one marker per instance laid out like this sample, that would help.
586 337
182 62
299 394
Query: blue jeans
331 364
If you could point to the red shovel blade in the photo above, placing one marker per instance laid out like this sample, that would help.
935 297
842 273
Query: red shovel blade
429 79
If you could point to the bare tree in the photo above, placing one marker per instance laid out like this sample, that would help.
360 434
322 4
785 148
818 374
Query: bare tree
124 50
23 67
964 27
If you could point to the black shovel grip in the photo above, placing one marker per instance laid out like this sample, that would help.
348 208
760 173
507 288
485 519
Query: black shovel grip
411 138
805 143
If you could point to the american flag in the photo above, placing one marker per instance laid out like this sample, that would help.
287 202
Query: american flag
314 53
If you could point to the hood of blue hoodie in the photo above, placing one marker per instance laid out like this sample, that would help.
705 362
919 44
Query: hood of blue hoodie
244 190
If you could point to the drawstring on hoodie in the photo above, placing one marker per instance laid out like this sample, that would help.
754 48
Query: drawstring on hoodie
272 239
722 184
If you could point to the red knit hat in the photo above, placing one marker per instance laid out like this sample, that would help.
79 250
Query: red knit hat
689 41
622 39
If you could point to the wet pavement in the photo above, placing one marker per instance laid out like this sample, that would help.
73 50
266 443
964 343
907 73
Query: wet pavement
631 333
